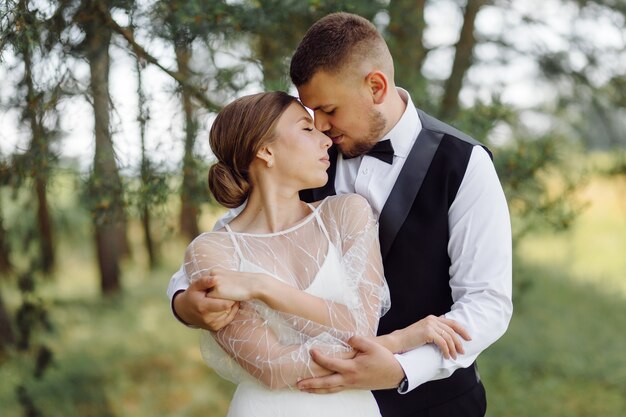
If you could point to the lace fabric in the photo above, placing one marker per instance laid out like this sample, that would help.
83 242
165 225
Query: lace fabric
333 254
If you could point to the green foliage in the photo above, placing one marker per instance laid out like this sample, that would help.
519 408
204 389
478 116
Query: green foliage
540 175
152 191
104 199
619 167
479 120
540 182
32 322
548 362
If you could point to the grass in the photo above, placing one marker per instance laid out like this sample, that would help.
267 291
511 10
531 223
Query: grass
594 250
122 356
563 354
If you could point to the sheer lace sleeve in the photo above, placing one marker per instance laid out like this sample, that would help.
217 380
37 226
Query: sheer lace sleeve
356 230
272 346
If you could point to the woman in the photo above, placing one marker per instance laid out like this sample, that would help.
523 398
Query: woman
307 275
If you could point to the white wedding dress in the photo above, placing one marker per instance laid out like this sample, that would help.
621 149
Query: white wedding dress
333 254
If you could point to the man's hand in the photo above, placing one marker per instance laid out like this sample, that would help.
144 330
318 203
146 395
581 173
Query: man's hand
195 306
374 367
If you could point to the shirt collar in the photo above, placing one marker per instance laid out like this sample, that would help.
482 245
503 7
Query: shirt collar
403 134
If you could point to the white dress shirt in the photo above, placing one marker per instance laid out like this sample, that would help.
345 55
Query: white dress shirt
479 246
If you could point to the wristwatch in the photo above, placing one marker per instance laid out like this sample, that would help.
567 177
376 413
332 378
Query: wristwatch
404 385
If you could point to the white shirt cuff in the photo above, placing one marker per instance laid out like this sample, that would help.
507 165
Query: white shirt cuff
178 282
420 365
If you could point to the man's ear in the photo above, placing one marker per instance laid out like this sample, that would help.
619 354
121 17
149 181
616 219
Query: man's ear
378 85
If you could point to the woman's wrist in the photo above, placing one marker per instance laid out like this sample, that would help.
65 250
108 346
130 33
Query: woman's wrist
262 287
392 342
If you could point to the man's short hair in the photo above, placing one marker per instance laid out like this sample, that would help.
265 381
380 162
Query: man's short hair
336 41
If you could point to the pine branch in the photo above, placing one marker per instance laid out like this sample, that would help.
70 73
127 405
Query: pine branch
140 51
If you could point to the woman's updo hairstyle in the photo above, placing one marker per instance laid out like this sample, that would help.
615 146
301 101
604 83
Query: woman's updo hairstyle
237 134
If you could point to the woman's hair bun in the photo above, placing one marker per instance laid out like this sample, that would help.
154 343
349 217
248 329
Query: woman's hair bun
229 188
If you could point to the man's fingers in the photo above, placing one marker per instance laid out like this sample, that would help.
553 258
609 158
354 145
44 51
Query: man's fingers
231 314
362 344
322 384
332 364
217 304
324 390
203 283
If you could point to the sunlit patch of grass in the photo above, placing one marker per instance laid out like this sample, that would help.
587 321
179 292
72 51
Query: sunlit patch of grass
594 250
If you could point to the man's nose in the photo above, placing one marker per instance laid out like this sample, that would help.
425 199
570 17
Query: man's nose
321 121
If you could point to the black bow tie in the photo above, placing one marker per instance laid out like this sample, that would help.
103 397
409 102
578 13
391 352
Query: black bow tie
383 150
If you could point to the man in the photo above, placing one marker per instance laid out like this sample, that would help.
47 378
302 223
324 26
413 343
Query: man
444 225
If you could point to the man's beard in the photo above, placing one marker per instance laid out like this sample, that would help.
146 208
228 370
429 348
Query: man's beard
361 146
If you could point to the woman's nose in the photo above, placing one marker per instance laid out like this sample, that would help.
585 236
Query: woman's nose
326 142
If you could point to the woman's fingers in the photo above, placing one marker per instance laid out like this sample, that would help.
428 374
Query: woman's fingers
460 330
444 340
447 337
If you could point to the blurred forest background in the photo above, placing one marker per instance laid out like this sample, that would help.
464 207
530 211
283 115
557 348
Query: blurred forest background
103 184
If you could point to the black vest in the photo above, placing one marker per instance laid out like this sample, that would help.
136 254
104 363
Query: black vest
414 239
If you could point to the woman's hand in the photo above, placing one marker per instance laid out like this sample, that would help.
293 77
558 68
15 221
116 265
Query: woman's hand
440 331
236 285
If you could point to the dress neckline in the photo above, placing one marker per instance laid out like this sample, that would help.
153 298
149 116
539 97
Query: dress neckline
304 221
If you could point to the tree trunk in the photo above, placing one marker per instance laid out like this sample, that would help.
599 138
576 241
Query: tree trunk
145 169
189 211
271 57
464 50
149 241
7 336
40 154
5 258
404 38
45 226
106 182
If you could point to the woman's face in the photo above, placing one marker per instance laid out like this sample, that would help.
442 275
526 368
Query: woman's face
300 151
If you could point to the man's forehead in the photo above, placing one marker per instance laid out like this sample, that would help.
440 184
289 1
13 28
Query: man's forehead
314 100
320 91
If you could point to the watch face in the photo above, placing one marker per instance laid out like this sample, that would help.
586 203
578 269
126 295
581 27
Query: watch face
404 384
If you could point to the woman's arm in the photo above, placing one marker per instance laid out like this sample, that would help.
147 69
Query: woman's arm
441 331
269 345
360 277
253 344
279 296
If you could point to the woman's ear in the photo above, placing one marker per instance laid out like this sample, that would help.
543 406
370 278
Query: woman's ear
266 155
378 84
